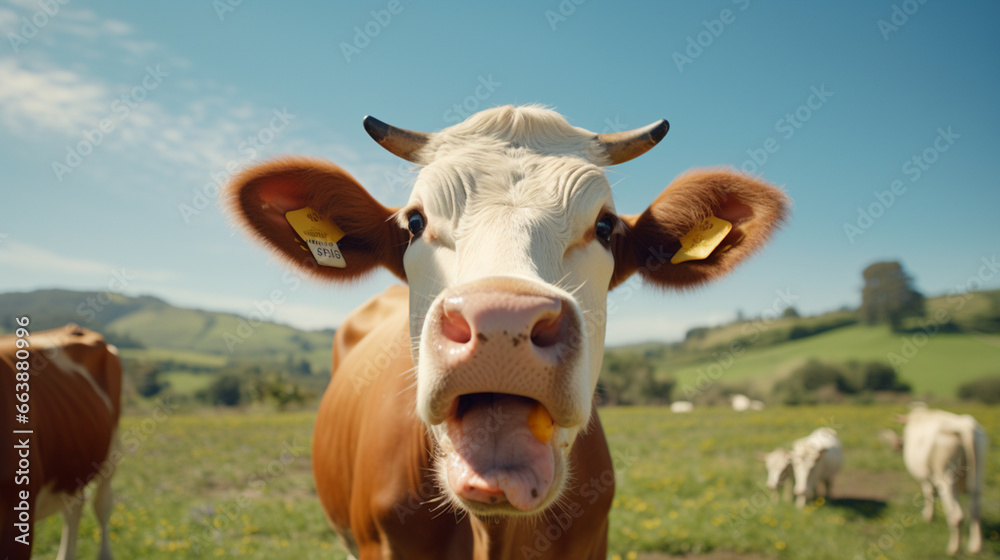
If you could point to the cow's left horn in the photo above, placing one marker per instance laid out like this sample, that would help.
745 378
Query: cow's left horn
623 146
401 142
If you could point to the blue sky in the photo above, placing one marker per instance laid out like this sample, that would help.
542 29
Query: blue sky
117 116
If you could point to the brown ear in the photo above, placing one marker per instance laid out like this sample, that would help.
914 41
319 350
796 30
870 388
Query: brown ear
753 208
260 196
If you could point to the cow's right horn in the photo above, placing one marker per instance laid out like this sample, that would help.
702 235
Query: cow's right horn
399 141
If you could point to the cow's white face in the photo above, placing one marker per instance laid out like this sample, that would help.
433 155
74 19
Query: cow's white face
779 467
509 244
509 265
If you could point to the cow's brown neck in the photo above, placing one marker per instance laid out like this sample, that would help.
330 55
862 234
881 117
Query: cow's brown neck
372 459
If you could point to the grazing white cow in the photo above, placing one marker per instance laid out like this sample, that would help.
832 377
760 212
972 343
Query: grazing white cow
779 470
816 459
740 403
681 406
891 439
942 450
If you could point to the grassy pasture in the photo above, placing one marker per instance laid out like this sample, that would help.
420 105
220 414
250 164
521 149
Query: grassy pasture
209 485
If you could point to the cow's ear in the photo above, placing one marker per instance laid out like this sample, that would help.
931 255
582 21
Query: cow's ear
662 244
261 197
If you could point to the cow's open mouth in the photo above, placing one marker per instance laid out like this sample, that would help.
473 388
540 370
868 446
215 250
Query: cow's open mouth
500 456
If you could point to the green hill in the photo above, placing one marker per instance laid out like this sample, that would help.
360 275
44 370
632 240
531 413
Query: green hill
938 366
148 328
959 340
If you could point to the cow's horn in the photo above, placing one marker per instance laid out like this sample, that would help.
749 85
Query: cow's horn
401 142
623 146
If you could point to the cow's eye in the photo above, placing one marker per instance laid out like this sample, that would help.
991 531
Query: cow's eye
604 227
415 223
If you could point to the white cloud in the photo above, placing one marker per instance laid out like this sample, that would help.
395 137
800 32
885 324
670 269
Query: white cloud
25 258
53 98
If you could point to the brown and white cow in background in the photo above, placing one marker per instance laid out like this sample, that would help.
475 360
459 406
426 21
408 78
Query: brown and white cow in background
74 386
947 452
473 390
816 459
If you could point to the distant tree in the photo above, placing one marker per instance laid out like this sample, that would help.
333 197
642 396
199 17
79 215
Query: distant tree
278 388
790 312
986 389
627 378
147 379
226 389
888 296
818 381
697 333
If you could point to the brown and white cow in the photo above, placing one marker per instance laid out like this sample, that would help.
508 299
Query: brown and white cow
472 389
74 398
946 452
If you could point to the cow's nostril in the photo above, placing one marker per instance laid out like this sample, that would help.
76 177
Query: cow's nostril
546 331
455 328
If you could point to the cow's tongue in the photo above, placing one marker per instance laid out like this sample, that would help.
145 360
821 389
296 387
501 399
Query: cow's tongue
496 456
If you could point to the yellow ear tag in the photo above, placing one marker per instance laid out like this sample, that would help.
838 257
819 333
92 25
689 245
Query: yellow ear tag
699 243
320 234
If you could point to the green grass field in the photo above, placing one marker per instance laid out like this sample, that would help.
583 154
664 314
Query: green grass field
219 485
185 382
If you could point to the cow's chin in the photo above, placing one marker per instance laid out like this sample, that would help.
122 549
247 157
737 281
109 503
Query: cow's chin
493 458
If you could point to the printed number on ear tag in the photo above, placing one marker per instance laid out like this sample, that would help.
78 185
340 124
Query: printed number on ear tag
699 243
320 234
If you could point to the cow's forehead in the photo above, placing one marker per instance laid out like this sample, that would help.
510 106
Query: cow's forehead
468 186
533 128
